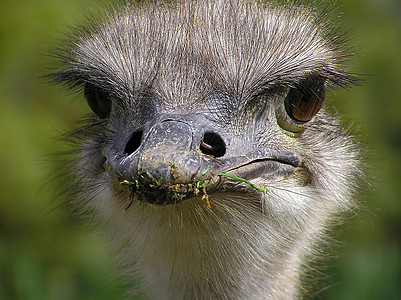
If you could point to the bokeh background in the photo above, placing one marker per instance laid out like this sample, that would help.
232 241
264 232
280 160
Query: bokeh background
46 254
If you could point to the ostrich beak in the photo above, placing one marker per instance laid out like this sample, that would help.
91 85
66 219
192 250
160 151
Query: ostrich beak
169 165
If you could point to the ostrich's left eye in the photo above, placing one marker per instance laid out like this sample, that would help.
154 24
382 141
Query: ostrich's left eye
98 101
304 101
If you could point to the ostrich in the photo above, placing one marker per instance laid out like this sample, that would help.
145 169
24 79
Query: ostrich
208 157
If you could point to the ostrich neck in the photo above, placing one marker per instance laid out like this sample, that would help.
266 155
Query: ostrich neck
232 250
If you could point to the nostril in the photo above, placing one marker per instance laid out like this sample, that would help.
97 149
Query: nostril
134 142
212 144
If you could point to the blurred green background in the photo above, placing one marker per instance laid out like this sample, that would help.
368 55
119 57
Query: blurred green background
45 254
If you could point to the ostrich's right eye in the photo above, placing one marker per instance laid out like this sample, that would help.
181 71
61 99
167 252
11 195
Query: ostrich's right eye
304 102
98 101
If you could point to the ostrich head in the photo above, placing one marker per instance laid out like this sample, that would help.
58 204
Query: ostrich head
208 157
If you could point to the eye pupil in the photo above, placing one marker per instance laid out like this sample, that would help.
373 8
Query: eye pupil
99 101
304 102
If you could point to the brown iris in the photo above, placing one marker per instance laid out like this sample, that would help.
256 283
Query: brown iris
305 100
